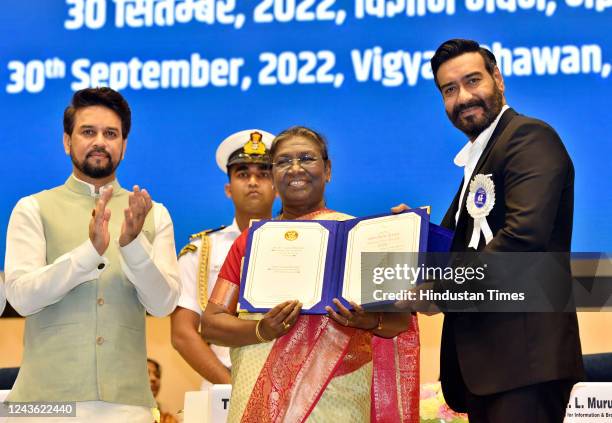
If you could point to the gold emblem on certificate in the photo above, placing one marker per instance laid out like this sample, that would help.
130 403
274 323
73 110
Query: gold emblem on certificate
291 235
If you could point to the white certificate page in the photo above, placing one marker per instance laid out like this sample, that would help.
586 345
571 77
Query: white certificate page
286 262
398 233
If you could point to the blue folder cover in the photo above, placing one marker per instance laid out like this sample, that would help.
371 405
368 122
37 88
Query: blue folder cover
433 238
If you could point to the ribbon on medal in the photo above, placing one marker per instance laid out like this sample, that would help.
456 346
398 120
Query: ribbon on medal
480 202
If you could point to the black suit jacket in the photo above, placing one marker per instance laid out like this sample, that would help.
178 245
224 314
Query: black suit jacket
488 353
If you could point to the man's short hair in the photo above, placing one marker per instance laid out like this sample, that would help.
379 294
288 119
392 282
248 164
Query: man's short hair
102 96
456 47
233 168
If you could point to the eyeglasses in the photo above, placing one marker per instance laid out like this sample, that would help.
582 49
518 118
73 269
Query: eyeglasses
305 161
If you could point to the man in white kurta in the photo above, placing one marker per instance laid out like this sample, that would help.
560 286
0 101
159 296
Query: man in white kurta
84 261
244 157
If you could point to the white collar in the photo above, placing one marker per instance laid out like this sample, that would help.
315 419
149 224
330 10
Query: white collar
474 149
92 188
233 227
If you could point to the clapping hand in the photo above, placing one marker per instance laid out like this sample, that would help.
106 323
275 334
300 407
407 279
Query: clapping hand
98 225
140 204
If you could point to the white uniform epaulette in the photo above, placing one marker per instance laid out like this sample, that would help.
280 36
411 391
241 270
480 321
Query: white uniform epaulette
205 232
203 262
191 248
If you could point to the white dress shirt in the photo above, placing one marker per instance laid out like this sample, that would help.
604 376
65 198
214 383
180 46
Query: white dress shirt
468 156
220 243
32 283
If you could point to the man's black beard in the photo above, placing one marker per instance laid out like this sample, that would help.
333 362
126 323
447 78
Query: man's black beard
491 106
95 172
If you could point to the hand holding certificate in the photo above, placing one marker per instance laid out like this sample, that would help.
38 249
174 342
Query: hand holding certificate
278 321
318 260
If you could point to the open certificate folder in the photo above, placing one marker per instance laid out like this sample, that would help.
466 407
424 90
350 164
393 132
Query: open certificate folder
315 261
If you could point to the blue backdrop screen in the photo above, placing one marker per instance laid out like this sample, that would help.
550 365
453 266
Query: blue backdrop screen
195 71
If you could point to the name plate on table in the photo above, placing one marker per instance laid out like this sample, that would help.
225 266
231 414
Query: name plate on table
315 261
207 406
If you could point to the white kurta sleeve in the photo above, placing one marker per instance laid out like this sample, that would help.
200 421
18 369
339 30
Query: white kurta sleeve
153 269
32 283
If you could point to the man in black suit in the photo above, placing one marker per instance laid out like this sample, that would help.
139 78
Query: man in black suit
506 367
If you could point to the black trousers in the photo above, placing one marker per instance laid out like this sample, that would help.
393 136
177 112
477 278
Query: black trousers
540 403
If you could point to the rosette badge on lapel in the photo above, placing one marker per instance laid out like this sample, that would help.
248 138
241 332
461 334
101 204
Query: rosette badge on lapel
480 202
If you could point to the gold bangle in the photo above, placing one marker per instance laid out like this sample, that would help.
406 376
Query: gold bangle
260 338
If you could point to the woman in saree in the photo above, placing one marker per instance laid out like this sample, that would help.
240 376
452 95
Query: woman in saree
348 366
